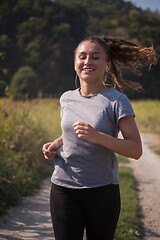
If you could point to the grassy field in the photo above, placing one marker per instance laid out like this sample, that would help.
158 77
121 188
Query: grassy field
129 225
147 115
26 126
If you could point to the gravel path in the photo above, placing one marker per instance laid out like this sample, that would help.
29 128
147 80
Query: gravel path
147 173
31 219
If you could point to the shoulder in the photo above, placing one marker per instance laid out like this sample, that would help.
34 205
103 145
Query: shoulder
68 95
118 100
114 95
121 105
121 99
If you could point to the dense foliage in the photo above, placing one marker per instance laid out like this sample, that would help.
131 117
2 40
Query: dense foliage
42 34
23 131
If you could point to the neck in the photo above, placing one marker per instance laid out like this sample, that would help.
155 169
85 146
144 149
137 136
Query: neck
89 90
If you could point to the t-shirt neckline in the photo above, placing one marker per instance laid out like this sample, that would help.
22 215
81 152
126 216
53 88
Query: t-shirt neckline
94 95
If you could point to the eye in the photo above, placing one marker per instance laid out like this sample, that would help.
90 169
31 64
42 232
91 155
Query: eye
95 58
82 57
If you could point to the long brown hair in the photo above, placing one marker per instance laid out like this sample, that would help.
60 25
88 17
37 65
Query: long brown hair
125 54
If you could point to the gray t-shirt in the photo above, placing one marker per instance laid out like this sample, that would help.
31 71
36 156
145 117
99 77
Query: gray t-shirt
79 163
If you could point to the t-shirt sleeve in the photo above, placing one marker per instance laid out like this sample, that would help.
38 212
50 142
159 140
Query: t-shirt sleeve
63 101
61 106
61 113
123 108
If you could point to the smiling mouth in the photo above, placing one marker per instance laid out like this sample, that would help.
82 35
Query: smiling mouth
88 69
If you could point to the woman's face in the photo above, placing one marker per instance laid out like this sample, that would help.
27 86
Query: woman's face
90 62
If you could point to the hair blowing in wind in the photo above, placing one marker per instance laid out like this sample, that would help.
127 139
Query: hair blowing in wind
125 55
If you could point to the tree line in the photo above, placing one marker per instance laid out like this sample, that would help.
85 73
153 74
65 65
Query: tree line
38 38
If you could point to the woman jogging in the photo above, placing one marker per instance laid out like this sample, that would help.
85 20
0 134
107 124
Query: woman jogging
85 182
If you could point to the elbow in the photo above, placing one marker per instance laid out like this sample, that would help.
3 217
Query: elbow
138 153
137 157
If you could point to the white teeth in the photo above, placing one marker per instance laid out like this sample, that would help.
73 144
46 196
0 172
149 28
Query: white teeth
88 69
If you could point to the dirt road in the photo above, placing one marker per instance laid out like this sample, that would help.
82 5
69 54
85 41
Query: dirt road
147 173
31 219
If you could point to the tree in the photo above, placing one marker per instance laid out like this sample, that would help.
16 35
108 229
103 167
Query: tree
24 83
43 34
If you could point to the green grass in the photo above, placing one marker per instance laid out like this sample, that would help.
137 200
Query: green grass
157 152
129 225
147 115
148 118
25 127
122 160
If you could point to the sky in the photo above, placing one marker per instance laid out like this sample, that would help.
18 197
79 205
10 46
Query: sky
144 4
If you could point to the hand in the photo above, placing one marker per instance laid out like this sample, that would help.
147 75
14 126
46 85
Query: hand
50 149
85 131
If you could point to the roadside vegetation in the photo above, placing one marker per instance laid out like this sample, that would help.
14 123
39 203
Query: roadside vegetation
26 126
147 115
148 120
129 226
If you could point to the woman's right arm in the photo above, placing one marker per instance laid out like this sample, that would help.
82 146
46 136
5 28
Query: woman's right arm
50 149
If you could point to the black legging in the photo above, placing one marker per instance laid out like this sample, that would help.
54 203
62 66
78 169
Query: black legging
96 209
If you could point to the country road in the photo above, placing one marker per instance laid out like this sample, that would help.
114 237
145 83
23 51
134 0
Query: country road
147 174
31 219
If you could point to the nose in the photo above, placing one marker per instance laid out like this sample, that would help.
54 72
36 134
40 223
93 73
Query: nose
88 60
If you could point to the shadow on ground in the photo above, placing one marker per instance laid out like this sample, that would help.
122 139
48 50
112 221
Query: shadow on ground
29 220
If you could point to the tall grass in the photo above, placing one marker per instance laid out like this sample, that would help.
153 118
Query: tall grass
129 225
147 115
24 127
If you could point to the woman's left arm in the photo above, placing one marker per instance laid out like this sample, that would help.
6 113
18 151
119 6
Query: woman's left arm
130 146
132 140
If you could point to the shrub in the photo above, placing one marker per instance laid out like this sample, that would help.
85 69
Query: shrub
24 83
